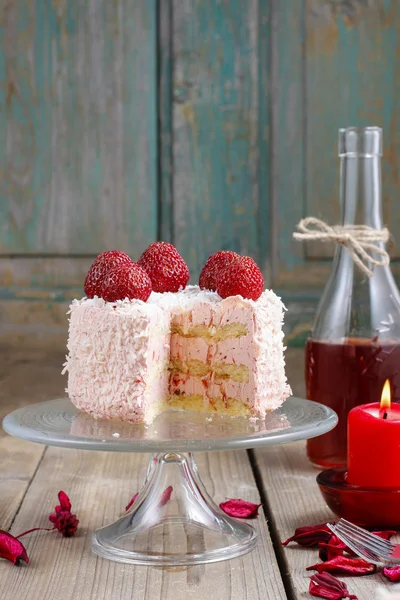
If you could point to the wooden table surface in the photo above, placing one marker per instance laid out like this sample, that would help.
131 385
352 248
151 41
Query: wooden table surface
101 483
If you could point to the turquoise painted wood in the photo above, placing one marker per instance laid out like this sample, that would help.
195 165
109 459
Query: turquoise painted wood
352 78
287 139
210 124
216 153
78 130
165 124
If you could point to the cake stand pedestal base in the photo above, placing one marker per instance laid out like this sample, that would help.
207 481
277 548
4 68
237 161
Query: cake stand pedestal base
173 521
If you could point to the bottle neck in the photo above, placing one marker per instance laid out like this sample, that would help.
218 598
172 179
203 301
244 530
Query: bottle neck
361 191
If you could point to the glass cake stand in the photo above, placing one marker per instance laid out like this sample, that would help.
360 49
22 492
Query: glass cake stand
173 521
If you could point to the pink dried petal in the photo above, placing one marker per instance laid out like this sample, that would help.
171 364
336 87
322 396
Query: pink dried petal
345 565
11 548
334 547
310 535
240 509
65 503
133 499
386 534
327 586
392 573
166 495
65 522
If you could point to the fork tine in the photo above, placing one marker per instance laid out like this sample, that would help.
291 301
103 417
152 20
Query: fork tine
359 531
376 547
361 550
369 555
362 534
354 528
363 542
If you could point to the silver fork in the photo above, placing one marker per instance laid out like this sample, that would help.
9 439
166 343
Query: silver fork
365 544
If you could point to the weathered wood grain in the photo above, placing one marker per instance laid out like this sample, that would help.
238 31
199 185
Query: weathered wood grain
215 129
39 274
100 485
38 324
287 141
18 461
78 135
352 61
295 500
24 378
165 124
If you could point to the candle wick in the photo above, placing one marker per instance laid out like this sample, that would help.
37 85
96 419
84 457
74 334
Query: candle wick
385 415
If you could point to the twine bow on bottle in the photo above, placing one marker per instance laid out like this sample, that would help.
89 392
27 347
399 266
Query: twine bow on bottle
358 240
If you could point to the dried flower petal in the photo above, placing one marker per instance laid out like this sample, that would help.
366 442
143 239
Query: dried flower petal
240 509
327 586
65 522
65 503
392 573
334 547
133 499
166 495
386 534
11 548
310 535
63 519
343 564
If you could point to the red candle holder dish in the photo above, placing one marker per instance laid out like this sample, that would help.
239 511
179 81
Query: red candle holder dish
367 507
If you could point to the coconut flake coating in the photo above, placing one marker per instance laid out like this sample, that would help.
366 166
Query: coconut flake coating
129 360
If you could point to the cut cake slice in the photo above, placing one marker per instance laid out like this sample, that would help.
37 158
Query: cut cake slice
191 350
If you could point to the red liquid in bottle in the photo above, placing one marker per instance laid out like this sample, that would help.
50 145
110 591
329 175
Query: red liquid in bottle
342 376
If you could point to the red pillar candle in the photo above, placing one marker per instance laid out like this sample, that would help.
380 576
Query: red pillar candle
374 444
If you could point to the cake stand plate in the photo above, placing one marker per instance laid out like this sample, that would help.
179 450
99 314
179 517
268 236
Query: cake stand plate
173 521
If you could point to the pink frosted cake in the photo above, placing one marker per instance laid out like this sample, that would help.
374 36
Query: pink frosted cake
190 349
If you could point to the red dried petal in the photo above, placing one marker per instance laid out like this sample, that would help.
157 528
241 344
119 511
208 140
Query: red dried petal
310 535
327 586
65 503
323 592
240 509
65 522
343 564
334 547
133 499
385 534
166 495
329 581
11 548
392 573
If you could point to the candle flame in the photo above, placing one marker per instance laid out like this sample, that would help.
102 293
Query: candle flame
385 398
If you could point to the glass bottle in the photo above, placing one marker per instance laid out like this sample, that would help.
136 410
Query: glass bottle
354 343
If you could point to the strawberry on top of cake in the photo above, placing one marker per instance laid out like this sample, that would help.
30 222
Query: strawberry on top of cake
143 341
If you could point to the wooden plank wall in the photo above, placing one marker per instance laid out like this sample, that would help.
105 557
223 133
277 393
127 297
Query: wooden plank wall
210 124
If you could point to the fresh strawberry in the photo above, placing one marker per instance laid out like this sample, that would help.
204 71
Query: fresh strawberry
242 277
126 281
165 267
103 263
214 265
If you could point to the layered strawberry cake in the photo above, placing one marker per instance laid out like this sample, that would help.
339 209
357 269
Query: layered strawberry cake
142 341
